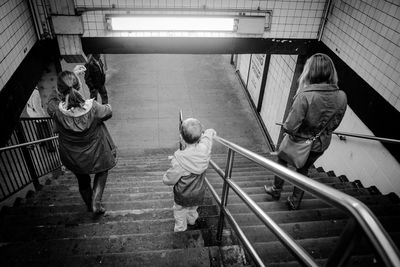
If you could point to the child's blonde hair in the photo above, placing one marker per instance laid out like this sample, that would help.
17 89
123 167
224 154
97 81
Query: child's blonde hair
191 130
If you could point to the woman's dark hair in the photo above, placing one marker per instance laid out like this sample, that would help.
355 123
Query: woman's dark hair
68 84
319 68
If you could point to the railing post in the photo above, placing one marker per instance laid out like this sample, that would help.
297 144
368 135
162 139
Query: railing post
348 240
27 156
225 192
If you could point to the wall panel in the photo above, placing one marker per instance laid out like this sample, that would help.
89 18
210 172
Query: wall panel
277 88
17 36
366 36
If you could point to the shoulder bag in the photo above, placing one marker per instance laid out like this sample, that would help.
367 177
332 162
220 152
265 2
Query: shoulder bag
296 152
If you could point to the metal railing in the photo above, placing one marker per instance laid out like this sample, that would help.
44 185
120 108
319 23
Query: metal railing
369 137
31 152
342 135
362 219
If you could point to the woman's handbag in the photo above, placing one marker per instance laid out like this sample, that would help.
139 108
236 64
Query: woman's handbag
296 152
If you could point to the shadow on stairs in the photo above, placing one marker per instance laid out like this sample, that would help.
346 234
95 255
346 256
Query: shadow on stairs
52 227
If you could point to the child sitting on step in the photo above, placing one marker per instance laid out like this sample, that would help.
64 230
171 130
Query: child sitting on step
188 171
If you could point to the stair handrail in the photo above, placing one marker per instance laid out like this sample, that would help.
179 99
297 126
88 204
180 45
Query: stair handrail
22 161
359 211
361 136
27 143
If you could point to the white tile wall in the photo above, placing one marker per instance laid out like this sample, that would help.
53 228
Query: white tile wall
17 36
243 66
366 35
277 88
365 160
290 18
255 76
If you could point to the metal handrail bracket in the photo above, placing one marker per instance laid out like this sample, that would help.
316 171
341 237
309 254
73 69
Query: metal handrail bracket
235 226
365 218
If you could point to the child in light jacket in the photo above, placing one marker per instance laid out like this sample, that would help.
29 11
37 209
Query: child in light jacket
187 172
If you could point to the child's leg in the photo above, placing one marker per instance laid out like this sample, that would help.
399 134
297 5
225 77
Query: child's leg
192 215
180 218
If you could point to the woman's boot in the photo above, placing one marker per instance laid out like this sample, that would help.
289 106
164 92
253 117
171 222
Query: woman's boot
98 187
85 189
294 200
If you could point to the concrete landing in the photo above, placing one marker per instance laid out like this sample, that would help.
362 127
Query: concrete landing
147 92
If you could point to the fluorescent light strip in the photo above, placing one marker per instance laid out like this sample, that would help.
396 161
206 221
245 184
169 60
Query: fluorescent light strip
171 24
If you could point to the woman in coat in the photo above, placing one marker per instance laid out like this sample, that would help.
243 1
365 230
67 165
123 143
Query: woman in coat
85 144
317 100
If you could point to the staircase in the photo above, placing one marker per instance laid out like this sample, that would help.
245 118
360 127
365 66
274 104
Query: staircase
52 227
316 225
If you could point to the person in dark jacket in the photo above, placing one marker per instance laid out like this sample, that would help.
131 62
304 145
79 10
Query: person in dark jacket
95 78
85 145
317 100
188 171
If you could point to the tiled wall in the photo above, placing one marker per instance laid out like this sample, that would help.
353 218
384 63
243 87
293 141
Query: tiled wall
366 35
251 67
255 76
290 19
243 63
277 88
365 160
17 36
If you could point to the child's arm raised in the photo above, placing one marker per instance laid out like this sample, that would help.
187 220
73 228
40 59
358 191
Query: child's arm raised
206 139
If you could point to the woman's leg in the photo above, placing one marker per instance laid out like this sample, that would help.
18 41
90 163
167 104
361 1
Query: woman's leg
295 199
98 188
85 189
275 190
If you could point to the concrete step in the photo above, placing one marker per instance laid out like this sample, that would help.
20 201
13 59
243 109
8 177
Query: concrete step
311 229
354 261
83 217
61 198
104 244
111 206
306 204
319 248
70 184
217 157
211 176
96 229
202 257
308 215
132 188
257 194
261 199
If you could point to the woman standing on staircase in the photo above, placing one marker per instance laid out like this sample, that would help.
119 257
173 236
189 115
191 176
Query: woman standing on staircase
86 146
319 105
